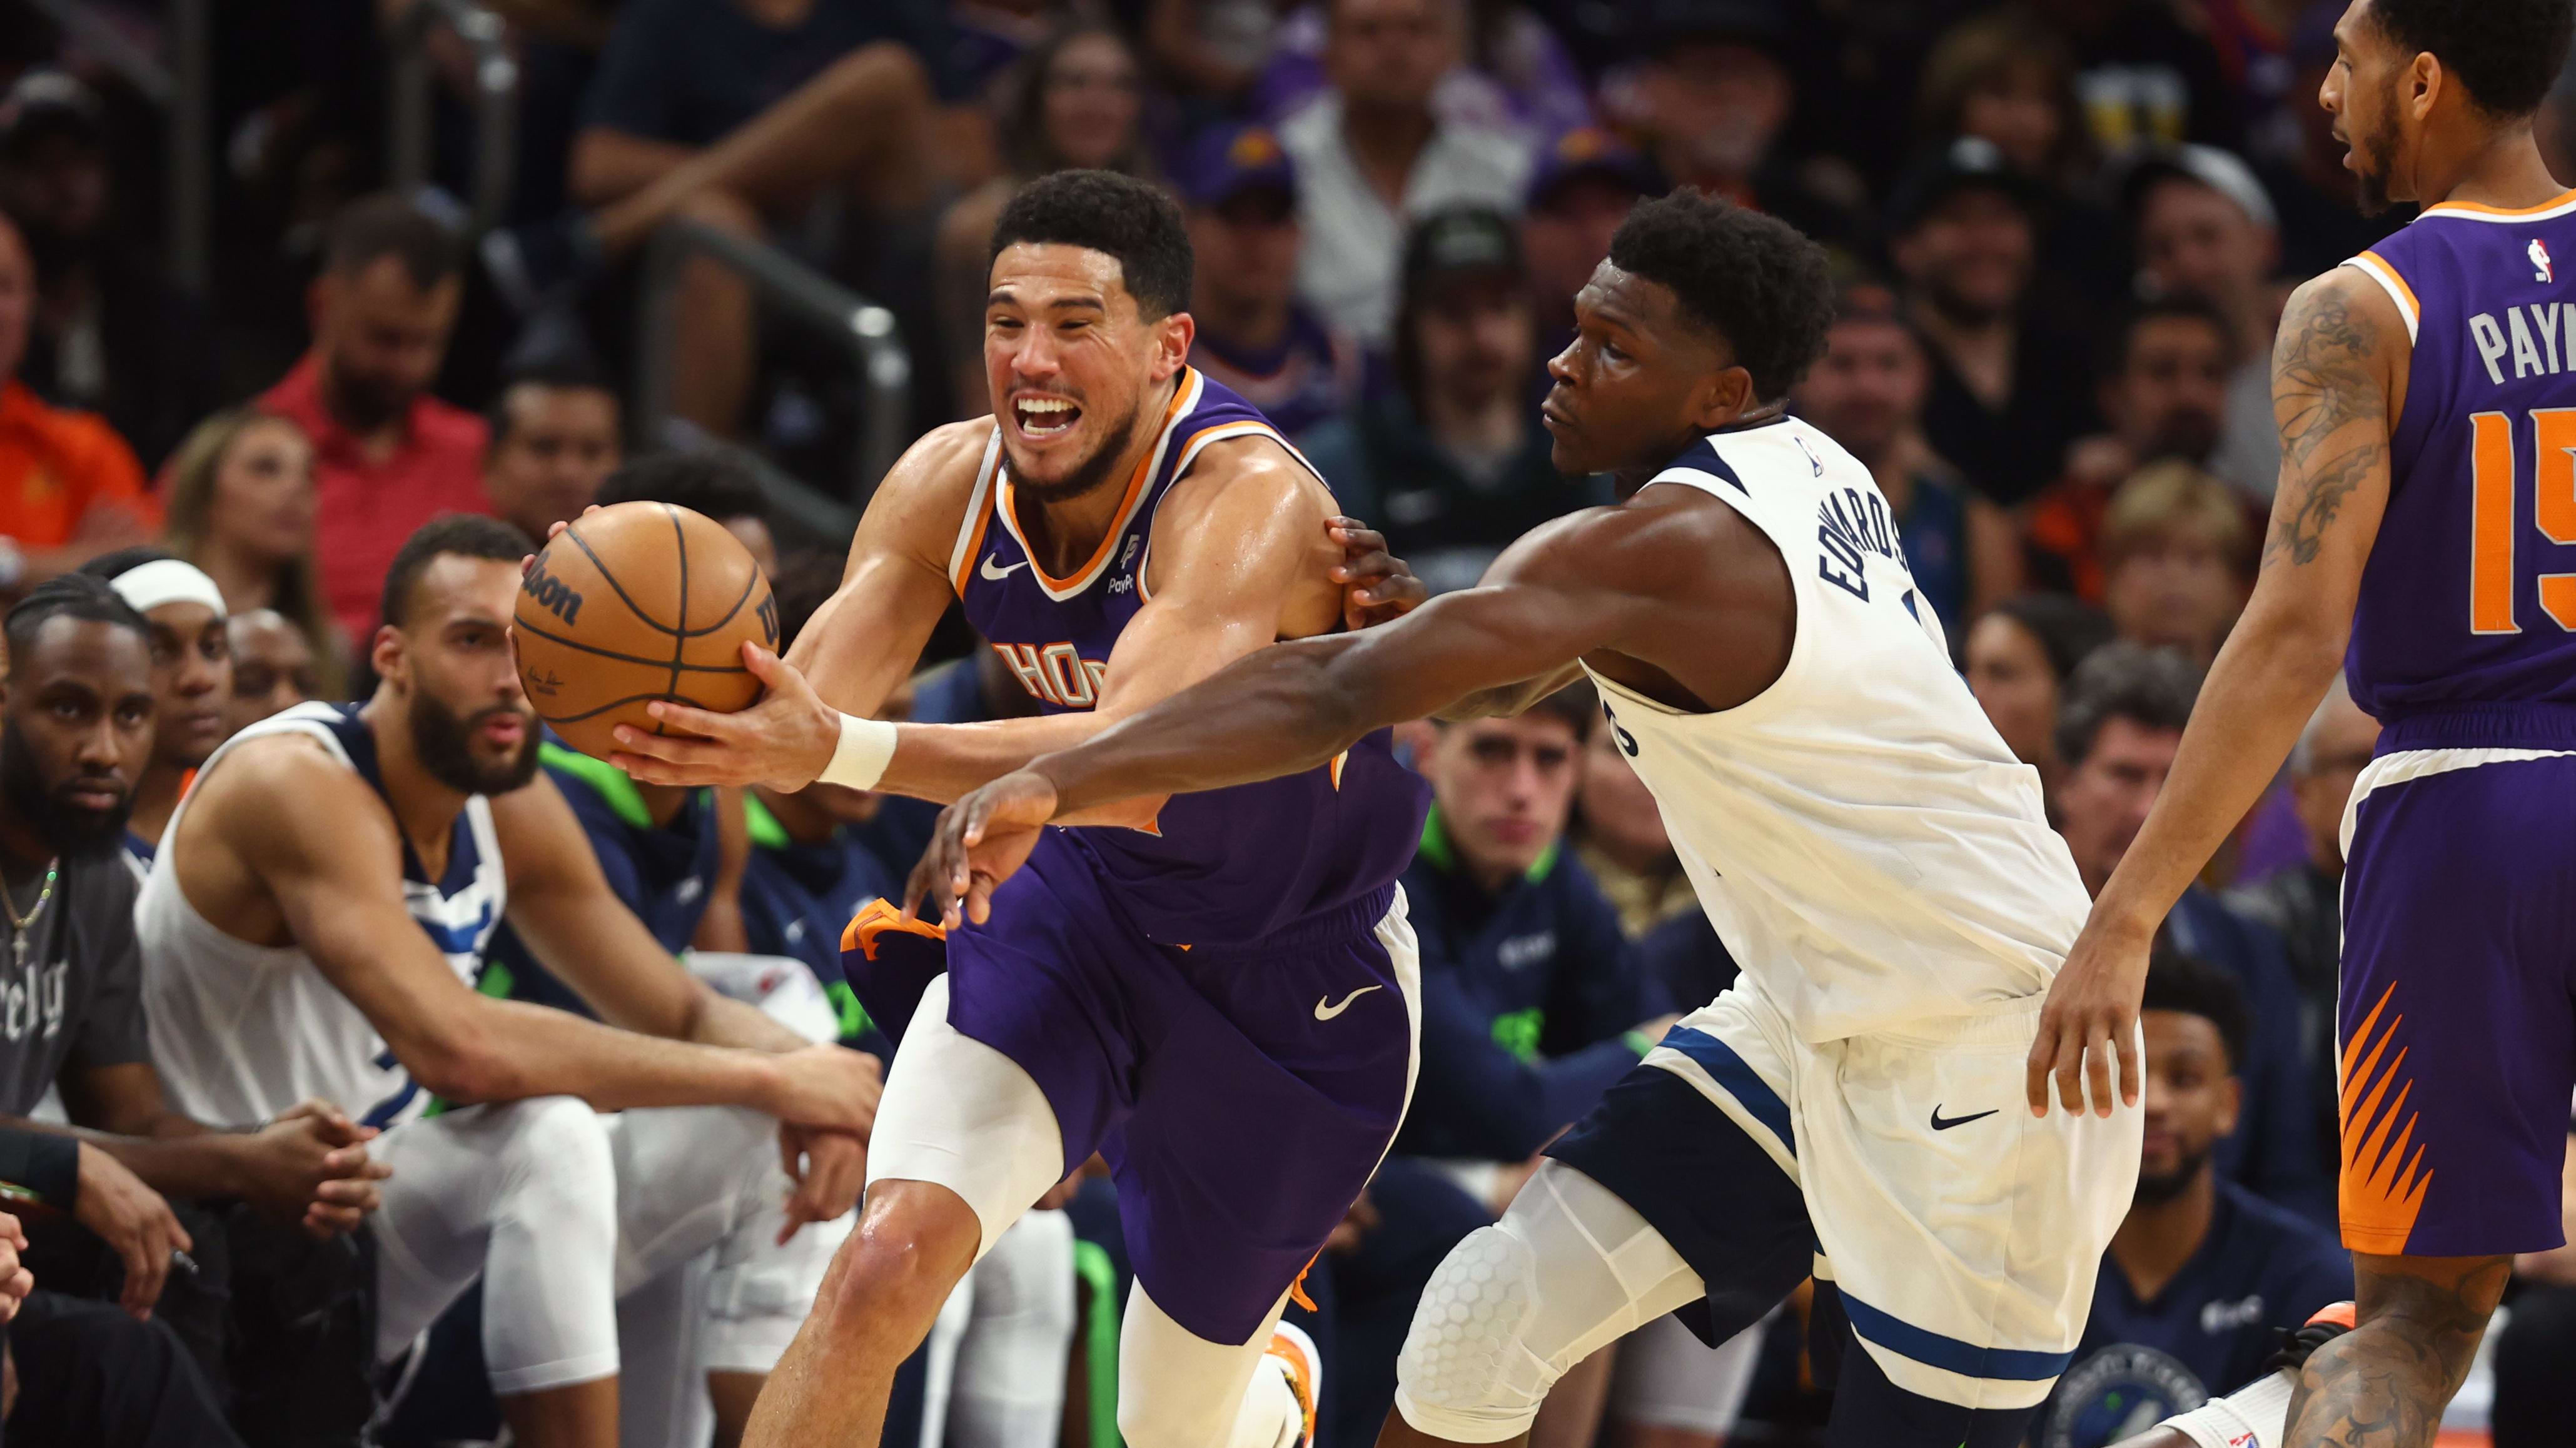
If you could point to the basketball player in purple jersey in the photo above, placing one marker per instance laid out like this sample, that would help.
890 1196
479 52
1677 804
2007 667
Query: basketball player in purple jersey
2426 393
1216 992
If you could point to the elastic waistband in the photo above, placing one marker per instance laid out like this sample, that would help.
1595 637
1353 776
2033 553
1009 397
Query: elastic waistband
2516 725
1335 926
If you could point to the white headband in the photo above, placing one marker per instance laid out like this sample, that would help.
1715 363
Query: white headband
147 586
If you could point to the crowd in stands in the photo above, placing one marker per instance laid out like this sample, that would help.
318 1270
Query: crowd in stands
2063 233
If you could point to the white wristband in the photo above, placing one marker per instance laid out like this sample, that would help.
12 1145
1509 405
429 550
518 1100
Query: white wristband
860 759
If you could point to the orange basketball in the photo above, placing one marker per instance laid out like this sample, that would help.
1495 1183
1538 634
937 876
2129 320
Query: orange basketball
633 603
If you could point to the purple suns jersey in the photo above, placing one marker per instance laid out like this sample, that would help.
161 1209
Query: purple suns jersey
2465 634
1230 866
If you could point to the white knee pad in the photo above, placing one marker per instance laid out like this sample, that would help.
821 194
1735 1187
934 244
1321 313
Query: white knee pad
549 1315
1568 1269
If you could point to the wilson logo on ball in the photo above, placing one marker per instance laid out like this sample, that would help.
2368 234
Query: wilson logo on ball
552 594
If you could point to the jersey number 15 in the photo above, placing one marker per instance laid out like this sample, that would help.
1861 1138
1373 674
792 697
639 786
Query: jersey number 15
2495 515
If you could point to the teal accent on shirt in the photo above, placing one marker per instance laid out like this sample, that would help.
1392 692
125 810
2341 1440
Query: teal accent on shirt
1518 1032
766 832
606 779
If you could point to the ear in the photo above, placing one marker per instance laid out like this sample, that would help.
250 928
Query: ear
1173 337
2423 87
1723 399
386 653
2231 1104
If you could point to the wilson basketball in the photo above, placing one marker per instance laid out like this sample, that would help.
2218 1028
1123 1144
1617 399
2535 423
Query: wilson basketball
633 603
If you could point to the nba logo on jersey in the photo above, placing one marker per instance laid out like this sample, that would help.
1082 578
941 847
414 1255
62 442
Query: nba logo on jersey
2541 270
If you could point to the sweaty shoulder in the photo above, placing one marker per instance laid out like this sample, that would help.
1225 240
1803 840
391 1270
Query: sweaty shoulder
917 509
1251 509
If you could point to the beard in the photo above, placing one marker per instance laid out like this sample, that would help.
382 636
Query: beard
1088 475
364 404
2155 1191
445 746
2374 157
71 830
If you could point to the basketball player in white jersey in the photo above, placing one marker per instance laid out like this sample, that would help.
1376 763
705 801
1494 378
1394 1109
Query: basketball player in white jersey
312 925
1864 842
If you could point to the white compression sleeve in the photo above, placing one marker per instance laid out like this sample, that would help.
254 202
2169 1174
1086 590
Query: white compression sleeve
2254 1416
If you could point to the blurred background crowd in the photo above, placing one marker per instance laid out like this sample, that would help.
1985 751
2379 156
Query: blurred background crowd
282 280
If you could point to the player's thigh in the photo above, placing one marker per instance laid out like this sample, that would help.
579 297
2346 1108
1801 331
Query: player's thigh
687 1176
1964 1234
2455 1015
959 1114
1700 1140
1271 1087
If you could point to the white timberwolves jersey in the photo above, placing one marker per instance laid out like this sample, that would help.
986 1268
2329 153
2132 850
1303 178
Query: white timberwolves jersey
241 1031
1866 846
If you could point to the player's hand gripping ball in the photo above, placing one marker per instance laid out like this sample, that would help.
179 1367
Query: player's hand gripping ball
633 603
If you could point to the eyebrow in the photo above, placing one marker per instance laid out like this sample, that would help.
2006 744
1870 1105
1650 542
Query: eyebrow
1005 297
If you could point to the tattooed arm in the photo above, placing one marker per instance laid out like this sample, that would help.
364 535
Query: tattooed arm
2340 358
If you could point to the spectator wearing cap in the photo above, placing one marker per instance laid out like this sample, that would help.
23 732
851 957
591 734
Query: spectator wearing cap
108 335
1073 101
1867 393
554 440
2203 1277
2164 394
2008 77
2009 391
1584 185
1451 462
1372 152
70 488
1240 191
2206 228
387 455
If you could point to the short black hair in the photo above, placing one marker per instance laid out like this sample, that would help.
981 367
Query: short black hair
122 561
805 579
2177 307
2506 52
573 372
1755 280
374 227
81 596
2181 982
2152 688
1129 220
465 535
718 484
2068 629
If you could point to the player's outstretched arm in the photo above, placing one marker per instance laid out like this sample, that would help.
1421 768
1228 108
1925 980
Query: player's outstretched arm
332 866
1555 596
2340 360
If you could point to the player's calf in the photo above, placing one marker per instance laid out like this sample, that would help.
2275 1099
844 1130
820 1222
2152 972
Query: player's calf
2387 1381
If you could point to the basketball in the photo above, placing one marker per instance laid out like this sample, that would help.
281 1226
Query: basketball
633 603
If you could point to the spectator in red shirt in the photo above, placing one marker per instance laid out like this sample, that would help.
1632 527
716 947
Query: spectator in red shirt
388 456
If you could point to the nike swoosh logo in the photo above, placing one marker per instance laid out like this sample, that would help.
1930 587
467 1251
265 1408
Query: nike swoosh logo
998 574
1324 1012
1938 1124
